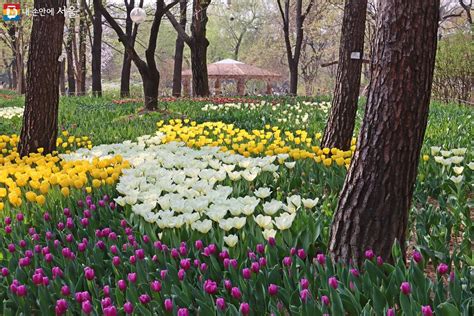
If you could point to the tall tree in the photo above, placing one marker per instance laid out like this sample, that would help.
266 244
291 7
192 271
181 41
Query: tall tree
293 55
341 120
71 79
97 51
81 68
198 44
40 119
376 196
148 68
179 49
131 34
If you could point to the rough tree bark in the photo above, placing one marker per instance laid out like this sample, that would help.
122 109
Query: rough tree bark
341 120
147 68
178 53
198 44
293 55
127 59
82 64
376 196
97 52
40 118
71 79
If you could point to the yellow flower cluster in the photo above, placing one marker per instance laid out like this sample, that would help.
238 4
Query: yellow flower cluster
32 178
268 141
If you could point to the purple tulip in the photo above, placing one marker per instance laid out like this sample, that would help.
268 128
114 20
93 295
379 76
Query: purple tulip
155 286
168 305
301 254
84 222
262 261
132 277
333 282
417 257
122 285
185 264
426 310
325 300
11 248
220 303
198 244
244 308
442 269
260 249
106 302
128 308
304 283
390 312
86 307
246 273
183 312
287 261
20 217
271 241
57 272
181 274
227 285
110 311
379 260
65 290
116 261
163 274
144 299
140 253
8 220
235 292
5 272
210 287
304 294
61 306
405 288
89 273
355 272
8 229
255 267
174 253
272 289
369 254
106 290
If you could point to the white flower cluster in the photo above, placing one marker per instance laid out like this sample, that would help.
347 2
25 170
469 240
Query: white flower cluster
173 186
11 112
298 113
452 157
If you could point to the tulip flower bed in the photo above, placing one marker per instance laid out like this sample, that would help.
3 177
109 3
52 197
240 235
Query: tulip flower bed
10 112
88 259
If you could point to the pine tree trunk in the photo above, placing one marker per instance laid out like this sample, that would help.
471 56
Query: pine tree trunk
97 52
178 54
377 193
150 89
71 78
341 120
40 119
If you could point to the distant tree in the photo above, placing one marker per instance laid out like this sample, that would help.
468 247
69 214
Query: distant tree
148 68
373 206
97 50
197 43
40 119
293 52
341 120
131 32
179 49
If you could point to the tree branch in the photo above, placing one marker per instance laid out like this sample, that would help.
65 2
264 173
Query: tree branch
181 32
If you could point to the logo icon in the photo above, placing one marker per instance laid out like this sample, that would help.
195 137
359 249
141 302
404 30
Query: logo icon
11 12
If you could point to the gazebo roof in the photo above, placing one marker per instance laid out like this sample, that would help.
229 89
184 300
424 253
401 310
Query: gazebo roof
233 69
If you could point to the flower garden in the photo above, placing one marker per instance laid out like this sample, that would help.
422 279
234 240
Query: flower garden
219 208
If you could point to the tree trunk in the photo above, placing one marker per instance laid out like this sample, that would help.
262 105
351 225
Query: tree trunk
81 71
293 78
377 193
341 120
178 54
97 52
71 79
127 59
62 77
198 48
199 68
40 119
150 89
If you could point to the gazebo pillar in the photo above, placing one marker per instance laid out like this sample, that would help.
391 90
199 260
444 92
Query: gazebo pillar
269 88
217 87
241 86
186 87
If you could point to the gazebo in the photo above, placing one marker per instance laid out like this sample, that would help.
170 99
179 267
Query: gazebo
229 69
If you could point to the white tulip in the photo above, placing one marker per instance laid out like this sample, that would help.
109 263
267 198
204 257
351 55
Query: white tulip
263 221
458 170
269 233
308 203
459 151
457 179
284 221
456 159
270 208
290 165
435 150
446 153
231 240
202 226
471 165
263 192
